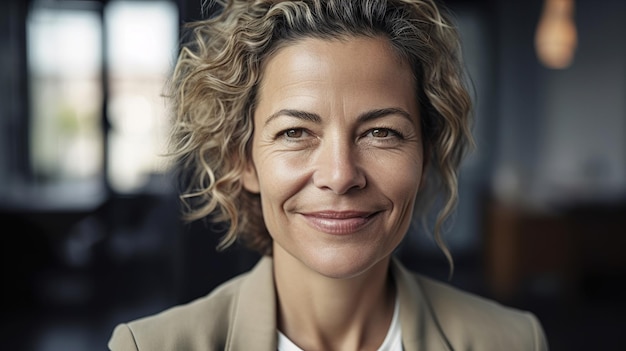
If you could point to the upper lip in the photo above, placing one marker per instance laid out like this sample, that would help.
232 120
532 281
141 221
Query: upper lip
339 214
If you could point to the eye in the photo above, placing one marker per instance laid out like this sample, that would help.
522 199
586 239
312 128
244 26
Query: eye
380 133
293 133
383 133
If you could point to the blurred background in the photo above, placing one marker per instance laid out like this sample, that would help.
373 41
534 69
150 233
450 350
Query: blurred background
91 235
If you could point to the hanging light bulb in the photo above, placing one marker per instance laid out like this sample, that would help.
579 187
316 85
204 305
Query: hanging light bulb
556 36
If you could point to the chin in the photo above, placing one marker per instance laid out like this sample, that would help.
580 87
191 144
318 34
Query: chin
338 265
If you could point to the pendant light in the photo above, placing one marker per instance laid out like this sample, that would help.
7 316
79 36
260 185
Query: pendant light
556 36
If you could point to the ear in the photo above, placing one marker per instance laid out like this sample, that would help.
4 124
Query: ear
249 179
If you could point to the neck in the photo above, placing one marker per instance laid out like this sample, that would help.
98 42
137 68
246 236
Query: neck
317 312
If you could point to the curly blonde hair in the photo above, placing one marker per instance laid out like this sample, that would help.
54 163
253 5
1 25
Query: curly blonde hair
216 78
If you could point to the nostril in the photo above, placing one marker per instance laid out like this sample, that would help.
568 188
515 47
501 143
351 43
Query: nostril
337 167
340 179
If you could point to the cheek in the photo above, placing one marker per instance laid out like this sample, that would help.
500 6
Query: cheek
401 182
404 189
281 175
400 173
281 179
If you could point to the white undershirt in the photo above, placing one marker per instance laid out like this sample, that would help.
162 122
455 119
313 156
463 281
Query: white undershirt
392 342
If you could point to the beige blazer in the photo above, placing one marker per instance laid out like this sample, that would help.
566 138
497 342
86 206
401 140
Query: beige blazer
241 315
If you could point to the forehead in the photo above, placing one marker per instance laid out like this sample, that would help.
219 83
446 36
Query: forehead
338 71
347 49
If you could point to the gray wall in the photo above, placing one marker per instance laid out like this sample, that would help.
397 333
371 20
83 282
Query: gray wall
562 133
546 139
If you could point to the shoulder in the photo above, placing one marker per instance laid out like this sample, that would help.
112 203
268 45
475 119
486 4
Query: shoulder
470 319
184 326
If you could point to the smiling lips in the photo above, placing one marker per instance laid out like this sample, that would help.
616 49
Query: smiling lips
338 223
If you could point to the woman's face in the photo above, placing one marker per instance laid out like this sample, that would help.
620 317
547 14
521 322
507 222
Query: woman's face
337 155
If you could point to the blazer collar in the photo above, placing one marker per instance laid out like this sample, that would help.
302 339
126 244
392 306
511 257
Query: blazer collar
419 324
253 318
253 315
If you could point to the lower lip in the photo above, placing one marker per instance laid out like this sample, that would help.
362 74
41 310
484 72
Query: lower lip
336 226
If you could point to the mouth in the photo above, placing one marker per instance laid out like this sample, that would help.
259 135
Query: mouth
339 222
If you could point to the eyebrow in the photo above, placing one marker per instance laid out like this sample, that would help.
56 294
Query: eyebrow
307 116
364 117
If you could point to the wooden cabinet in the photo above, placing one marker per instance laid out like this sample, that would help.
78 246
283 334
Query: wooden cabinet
553 252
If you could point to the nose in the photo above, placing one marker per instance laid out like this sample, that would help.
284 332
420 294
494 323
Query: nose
337 168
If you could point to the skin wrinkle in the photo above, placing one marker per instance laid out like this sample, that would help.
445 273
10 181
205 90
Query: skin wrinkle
290 198
219 74
335 163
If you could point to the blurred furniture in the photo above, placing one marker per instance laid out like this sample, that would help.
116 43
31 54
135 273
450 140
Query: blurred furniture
574 252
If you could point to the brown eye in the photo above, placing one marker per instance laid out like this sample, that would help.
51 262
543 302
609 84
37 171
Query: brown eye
293 133
380 133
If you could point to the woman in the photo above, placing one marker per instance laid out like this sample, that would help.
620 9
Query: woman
312 128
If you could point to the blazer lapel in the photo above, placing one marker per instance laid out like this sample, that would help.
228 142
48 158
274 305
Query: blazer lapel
253 318
420 329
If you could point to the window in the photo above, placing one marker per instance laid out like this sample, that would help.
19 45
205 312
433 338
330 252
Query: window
64 55
140 55
85 60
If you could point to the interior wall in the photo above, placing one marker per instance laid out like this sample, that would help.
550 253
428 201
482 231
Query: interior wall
584 148
561 133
